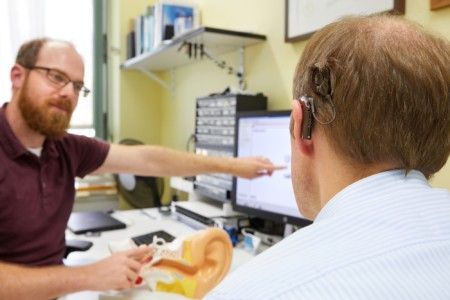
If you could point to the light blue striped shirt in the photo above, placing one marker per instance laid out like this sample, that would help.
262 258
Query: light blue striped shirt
386 236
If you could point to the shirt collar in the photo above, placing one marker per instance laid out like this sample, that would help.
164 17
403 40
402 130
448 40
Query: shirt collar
357 192
11 144
50 148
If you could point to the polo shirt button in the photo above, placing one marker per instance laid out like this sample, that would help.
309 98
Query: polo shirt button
44 185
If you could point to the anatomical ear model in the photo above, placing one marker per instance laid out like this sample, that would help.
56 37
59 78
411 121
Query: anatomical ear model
191 266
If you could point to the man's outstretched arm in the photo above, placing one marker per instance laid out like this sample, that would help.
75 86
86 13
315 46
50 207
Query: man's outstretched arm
149 160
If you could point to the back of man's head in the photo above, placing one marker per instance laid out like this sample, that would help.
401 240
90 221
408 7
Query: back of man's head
389 81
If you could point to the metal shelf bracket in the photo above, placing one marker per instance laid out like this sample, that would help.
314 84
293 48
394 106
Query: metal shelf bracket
170 86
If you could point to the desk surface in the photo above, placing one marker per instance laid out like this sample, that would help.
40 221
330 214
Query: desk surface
138 222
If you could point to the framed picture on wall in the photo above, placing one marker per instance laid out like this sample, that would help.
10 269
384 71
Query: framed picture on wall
436 4
304 17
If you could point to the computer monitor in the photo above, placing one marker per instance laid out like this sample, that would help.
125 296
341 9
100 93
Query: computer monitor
269 197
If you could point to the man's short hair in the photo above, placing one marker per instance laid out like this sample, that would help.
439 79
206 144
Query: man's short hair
389 81
28 53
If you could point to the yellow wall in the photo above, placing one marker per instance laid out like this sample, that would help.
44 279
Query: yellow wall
139 107
269 65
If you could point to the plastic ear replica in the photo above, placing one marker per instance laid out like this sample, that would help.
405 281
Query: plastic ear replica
191 266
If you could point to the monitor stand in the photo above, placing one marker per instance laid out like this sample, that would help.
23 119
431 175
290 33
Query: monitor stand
288 230
267 226
273 227
199 204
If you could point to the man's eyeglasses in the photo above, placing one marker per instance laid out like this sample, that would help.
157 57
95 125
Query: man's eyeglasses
61 80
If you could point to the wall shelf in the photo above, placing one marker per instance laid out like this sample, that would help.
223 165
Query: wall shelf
168 56
216 41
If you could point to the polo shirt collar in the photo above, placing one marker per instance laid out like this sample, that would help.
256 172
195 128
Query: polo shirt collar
11 144
50 148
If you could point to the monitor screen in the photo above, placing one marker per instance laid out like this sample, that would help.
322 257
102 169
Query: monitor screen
266 134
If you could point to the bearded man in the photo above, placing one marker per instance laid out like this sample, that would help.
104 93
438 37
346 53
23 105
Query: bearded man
39 162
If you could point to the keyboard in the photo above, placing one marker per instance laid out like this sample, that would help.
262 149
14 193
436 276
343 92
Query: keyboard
147 238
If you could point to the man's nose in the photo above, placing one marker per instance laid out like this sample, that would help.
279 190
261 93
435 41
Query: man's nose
69 91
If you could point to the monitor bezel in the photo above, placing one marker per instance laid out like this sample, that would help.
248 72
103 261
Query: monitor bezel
277 217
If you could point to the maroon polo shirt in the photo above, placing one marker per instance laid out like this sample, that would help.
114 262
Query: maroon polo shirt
37 193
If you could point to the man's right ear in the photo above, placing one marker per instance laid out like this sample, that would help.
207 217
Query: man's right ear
17 76
302 126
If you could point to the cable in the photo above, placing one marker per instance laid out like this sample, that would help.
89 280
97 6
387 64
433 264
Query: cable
194 50
191 139
223 65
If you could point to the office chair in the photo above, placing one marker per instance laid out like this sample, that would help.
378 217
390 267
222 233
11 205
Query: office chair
139 191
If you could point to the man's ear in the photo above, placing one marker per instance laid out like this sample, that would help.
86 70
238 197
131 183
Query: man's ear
298 117
17 76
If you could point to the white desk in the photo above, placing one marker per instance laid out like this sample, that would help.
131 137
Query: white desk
138 222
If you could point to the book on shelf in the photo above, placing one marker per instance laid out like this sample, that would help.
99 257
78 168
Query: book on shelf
161 22
131 41
144 31
148 28
173 18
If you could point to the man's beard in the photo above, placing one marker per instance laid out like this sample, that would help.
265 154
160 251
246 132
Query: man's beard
42 118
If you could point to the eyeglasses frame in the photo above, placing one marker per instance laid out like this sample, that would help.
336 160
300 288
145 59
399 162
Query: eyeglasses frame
85 91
